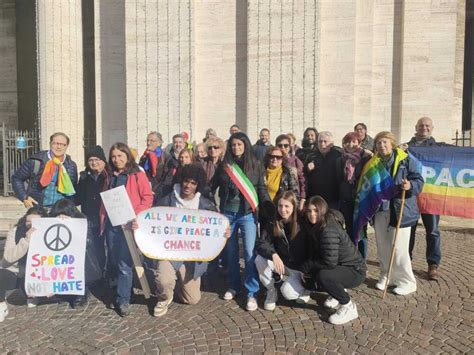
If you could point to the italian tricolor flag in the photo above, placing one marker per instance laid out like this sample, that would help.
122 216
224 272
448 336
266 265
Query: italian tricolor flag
241 180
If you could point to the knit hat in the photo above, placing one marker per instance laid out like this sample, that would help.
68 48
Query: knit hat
97 152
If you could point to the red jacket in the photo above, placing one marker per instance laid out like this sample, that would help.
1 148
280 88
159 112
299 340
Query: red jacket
138 190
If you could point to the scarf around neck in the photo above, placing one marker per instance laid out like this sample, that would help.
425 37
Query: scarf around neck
273 181
151 159
350 161
64 182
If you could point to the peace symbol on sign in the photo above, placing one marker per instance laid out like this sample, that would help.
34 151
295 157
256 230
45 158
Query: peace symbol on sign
57 237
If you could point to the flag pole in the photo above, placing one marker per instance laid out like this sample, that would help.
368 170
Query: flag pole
394 243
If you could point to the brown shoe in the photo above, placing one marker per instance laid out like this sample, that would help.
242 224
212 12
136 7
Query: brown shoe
433 272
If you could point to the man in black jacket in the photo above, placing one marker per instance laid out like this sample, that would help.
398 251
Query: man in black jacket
424 128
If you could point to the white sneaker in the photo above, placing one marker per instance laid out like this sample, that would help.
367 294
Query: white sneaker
380 285
3 311
270 300
344 314
161 308
31 302
403 291
229 295
331 303
304 297
251 304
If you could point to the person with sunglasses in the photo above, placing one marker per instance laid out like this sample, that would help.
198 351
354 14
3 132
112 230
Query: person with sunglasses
215 152
283 141
278 177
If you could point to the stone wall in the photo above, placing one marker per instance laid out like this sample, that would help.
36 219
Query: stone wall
8 82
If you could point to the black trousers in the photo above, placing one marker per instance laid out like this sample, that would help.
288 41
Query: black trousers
334 281
8 281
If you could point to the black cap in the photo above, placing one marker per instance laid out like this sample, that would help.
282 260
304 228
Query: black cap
97 152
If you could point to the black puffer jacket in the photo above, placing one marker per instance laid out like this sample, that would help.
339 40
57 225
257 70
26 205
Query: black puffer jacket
227 189
26 173
331 246
291 251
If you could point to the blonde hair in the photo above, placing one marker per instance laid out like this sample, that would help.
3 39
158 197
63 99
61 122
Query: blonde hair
387 135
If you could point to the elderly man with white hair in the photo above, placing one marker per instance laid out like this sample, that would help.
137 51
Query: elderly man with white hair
321 171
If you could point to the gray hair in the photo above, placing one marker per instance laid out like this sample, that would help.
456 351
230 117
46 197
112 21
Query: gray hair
326 134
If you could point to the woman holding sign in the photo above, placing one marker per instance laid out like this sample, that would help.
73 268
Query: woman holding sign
125 172
12 265
281 250
240 179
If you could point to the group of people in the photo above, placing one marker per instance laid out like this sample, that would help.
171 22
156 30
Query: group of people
292 207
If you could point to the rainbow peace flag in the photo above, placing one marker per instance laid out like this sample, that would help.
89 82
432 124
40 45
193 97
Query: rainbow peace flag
449 180
375 185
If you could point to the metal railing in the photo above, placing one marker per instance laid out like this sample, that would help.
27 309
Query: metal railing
17 146
463 139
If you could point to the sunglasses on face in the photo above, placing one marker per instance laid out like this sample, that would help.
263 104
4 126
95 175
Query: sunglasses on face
281 145
215 147
278 157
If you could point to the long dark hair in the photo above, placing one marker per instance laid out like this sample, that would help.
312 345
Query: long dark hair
67 208
304 141
21 227
324 212
131 166
277 229
248 160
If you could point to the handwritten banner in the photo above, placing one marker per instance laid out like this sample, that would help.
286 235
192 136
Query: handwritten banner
56 255
170 233
118 206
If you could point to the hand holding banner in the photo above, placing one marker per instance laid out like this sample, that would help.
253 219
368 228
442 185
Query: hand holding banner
118 206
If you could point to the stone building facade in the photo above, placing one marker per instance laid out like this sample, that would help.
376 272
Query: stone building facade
113 70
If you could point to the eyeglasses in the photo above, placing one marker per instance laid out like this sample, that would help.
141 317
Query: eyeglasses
215 147
281 145
278 157
57 144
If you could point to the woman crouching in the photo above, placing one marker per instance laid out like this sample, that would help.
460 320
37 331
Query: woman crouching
281 250
334 262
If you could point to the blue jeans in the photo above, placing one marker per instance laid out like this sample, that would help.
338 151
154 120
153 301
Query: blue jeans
433 239
121 258
247 225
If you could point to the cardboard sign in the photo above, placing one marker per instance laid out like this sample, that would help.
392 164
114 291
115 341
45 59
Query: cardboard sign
56 256
170 233
118 206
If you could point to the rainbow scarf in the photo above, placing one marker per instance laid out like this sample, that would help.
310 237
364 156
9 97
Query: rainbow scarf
243 183
375 185
65 185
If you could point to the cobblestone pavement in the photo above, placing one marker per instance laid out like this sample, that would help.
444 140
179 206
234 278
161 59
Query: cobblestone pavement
439 317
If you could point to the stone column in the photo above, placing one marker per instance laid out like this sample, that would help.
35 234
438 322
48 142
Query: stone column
110 78
59 26
8 83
